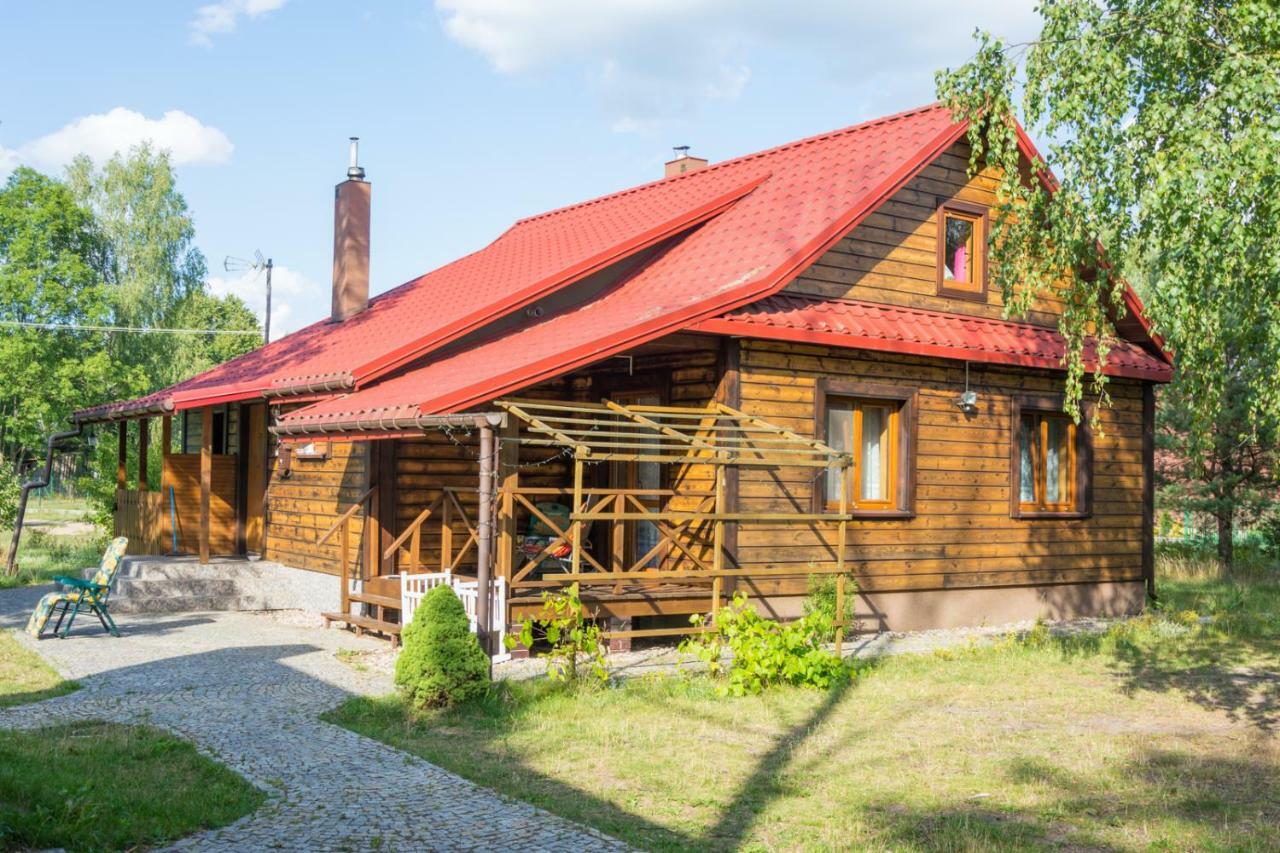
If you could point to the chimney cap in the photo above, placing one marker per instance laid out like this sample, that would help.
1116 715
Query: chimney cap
681 151
355 172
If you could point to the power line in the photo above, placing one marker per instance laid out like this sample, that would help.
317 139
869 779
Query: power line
75 327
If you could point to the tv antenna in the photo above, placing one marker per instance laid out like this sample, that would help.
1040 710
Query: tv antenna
257 265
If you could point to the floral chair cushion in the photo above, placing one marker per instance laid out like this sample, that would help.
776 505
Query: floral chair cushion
103 577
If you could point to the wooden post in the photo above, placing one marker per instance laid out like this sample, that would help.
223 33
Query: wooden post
618 535
509 477
484 539
122 455
575 532
415 546
166 436
841 538
206 479
143 440
344 546
446 531
839 614
717 556
166 447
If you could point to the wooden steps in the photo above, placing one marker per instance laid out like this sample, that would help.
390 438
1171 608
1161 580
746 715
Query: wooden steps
387 602
365 623
378 598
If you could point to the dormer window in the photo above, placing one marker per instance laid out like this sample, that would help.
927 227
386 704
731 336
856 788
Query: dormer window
962 250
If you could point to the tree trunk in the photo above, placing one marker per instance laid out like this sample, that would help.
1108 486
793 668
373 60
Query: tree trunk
1226 543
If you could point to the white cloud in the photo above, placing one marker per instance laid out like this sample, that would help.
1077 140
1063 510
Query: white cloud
219 19
652 60
188 141
295 299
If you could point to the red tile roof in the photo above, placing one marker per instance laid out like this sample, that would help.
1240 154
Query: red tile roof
815 191
725 237
534 258
889 328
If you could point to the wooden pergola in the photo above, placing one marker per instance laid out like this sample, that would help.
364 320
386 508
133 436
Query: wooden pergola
717 436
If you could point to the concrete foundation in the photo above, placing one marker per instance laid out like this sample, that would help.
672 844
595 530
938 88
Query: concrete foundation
971 608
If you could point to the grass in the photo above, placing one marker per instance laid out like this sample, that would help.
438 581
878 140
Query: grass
24 677
1160 734
102 786
41 556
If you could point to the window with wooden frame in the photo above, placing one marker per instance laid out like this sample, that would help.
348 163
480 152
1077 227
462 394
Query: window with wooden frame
874 425
1050 461
962 250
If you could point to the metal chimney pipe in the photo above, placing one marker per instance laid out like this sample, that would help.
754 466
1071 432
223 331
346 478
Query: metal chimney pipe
355 171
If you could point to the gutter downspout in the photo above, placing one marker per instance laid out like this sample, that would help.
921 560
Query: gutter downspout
42 480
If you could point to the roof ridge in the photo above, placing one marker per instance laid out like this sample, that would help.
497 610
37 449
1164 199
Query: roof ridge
743 158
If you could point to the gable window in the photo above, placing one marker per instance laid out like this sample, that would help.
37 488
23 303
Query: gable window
875 431
962 250
1051 458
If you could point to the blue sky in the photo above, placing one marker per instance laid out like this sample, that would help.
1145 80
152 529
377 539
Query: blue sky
472 113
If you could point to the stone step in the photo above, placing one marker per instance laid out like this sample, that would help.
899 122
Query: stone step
139 588
189 604
152 569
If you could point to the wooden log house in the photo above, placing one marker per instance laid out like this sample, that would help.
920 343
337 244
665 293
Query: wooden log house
734 378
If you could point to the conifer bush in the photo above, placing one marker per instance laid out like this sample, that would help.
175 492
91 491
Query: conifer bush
441 663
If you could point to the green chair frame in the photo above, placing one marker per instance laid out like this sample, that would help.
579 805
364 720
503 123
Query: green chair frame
92 595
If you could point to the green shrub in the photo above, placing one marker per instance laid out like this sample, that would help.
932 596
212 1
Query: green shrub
821 601
574 639
765 653
441 662
10 489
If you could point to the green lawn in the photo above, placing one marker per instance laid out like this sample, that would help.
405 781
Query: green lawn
1161 734
41 556
102 786
24 677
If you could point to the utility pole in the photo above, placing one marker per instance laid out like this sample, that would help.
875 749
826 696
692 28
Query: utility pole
266 320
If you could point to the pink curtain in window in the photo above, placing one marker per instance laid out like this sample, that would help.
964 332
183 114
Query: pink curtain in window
959 265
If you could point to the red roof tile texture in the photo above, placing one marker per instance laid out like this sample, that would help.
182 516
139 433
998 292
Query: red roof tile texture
811 193
889 328
535 257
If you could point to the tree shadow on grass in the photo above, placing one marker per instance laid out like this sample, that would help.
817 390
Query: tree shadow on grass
1189 800
1238 677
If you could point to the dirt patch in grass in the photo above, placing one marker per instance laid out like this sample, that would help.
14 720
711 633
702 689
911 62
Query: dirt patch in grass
1141 738
102 786
25 677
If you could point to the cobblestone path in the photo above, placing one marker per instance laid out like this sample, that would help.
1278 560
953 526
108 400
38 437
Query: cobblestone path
247 689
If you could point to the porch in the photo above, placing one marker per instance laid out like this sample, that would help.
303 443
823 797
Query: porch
211 499
634 502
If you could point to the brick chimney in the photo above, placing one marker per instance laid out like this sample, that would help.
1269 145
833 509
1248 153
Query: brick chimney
683 162
351 241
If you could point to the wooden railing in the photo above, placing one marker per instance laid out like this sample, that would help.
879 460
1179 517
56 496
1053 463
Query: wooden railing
686 551
445 509
343 524
144 518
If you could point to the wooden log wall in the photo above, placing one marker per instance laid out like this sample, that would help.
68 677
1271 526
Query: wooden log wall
962 534
891 257
303 506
